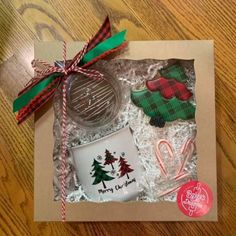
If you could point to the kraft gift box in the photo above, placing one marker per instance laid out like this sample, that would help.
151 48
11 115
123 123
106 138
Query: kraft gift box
46 209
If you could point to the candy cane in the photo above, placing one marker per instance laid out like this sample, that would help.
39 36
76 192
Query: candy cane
159 156
187 150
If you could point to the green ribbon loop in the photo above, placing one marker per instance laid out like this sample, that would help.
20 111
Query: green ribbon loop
26 97
110 43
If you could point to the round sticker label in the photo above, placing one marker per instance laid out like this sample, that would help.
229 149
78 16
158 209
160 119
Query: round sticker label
195 199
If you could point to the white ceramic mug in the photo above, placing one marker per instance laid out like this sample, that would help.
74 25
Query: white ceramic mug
108 168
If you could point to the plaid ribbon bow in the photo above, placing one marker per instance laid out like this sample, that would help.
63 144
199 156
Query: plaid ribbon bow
42 87
58 74
73 66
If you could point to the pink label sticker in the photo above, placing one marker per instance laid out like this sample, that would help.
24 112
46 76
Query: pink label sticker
195 199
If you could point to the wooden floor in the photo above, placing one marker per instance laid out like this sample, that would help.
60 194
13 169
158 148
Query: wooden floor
22 21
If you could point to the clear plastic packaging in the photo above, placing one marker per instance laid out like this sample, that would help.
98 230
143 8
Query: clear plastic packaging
121 77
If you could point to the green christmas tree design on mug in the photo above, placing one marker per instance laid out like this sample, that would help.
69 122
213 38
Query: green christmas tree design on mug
100 174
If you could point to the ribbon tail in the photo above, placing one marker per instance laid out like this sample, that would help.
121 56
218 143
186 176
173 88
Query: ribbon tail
105 54
38 101
103 33
107 45
24 114
25 97
35 80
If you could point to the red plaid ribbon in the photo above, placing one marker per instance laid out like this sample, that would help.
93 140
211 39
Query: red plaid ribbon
103 34
38 101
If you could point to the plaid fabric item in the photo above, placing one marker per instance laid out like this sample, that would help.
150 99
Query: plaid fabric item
35 81
154 104
169 88
175 71
38 101
103 33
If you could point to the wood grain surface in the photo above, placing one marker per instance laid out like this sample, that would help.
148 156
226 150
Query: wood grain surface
22 21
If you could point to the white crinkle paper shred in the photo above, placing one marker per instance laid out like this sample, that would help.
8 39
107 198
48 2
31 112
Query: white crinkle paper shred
145 136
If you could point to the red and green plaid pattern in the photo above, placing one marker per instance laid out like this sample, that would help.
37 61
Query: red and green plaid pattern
123 45
24 112
38 101
175 71
103 34
153 104
169 88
